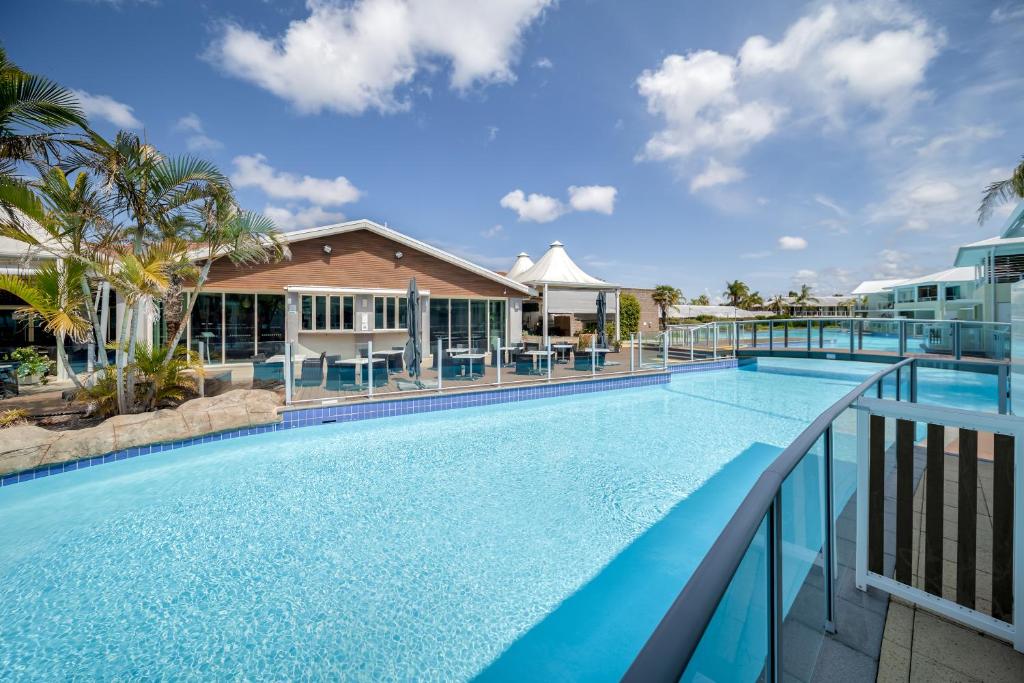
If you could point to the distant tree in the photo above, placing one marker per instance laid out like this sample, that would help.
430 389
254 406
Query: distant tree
752 301
1002 191
701 300
735 292
804 296
629 307
666 296
777 304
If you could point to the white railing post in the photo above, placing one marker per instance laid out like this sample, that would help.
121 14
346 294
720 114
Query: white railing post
499 356
287 371
691 332
202 375
640 349
369 368
91 351
549 360
863 481
664 360
632 339
440 359
593 355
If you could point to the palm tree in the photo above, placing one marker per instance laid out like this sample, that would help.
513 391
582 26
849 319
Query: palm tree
701 300
777 304
735 292
666 296
32 108
1002 191
804 296
752 301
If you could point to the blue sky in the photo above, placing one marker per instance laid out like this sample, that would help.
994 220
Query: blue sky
663 142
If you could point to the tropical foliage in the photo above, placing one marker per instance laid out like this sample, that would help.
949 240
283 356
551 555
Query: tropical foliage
736 292
665 297
702 300
1002 191
803 297
113 215
629 309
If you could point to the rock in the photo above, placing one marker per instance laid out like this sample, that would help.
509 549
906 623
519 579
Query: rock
22 448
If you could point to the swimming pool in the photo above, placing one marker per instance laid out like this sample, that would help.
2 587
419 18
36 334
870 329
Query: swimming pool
541 540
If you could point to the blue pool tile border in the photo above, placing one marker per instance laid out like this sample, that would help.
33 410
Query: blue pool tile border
309 417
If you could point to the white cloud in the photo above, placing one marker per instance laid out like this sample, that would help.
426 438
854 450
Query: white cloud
296 218
492 133
964 136
544 63
541 208
1006 13
253 171
716 173
107 108
935 192
715 105
494 231
197 140
599 198
805 276
756 254
359 56
791 243
829 203
538 208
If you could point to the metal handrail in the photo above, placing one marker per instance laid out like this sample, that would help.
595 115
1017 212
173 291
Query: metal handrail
667 652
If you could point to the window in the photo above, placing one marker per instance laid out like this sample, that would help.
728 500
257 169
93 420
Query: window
270 316
239 326
952 292
327 313
307 312
497 323
321 313
438 321
348 318
927 293
207 326
904 296
389 313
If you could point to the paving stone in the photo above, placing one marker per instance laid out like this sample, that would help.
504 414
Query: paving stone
965 651
899 625
894 664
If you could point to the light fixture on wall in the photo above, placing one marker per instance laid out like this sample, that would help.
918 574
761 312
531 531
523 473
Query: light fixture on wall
399 254
327 249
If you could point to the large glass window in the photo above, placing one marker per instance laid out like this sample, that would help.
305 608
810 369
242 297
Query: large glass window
378 313
348 318
335 321
478 324
497 323
952 292
904 296
459 324
927 293
321 313
239 326
403 313
307 312
270 316
207 326
438 321
389 312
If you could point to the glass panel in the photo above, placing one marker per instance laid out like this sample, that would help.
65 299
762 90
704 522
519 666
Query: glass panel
307 312
378 312
240 326
459 323
335 319
497 323
271 315
478 326
803 578
207 328
13 332
349 304
403 313
321 313
438 322
390 307
735 645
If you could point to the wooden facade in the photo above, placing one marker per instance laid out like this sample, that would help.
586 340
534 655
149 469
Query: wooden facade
359 259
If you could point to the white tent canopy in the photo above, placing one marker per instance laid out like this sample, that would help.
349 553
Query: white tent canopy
522 264
556 270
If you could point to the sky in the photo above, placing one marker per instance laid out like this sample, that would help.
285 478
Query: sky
683 143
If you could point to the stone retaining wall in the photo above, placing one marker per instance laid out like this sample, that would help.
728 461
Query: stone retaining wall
27 447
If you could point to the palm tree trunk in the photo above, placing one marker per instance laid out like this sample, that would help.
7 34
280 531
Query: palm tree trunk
132 341
62 358
101 351
176 339
119 360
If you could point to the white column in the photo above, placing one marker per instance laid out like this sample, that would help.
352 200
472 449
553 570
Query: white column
544 341
618 313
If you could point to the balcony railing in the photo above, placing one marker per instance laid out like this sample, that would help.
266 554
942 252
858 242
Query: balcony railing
773 571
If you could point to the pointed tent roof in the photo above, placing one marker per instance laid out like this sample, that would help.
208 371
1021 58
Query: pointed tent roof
555 267
522 264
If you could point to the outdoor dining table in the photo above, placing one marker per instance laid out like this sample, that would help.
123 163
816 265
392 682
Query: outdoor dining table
359 362
279 358
389 354
473 357
562 349
502 350
538 354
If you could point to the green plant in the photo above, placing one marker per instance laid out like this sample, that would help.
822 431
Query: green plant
629 311
31 362
13 418
702 300
665 297
1001 192
735 292
166 381
101 394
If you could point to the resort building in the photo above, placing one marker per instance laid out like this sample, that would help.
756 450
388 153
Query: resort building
345 285
874 298
946 295
820 306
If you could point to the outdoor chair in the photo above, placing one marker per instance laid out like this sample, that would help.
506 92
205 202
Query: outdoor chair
582 361
312 374
341 377
267 375
380 374
452 368
526 366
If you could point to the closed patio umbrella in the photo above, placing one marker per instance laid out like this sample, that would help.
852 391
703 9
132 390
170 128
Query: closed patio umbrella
602 314
413 351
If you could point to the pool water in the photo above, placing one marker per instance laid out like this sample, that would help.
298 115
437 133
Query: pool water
540 540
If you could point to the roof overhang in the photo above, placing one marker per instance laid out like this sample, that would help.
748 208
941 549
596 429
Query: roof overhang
400 238
972 254
603 286
320 289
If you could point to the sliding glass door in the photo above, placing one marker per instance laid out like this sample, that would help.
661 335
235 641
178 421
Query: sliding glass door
235 327
208 326
239 327
270 315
